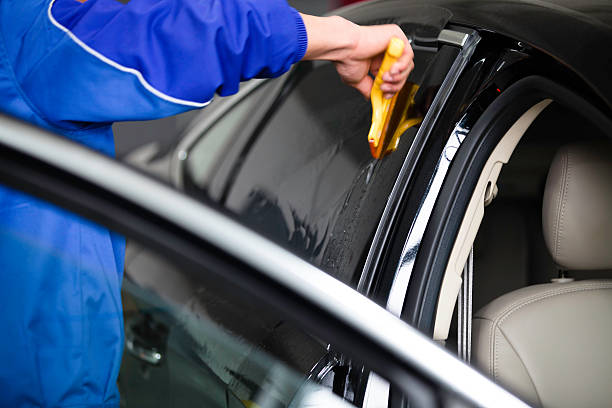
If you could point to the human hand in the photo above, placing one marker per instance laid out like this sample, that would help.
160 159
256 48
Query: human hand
367 56
358 51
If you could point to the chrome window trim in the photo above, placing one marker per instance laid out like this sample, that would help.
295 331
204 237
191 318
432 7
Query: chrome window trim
395 302
375 389
399 288
377 392
324 366
453 38
399 189
464 311
290 272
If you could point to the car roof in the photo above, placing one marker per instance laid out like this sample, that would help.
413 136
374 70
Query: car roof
577 33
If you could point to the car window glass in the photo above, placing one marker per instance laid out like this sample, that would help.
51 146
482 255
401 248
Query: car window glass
219 346
209 150
188 340
215 339
306 178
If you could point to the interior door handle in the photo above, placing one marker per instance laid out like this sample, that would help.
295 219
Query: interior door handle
146 339
150 356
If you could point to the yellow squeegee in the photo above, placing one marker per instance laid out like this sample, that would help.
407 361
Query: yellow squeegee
391 117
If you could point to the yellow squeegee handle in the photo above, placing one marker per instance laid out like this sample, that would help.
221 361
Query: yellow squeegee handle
381 107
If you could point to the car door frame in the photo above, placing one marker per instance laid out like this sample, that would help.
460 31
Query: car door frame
195 237
485 131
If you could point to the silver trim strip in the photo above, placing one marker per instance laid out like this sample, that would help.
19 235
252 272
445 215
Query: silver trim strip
377 392
401 278
453 37
399 287
290 272
400 284
323 366
464 311
394 199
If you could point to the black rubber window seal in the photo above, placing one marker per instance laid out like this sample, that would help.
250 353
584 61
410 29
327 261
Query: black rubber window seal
422 299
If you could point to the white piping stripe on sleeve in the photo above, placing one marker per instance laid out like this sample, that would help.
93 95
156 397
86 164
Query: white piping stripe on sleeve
120 67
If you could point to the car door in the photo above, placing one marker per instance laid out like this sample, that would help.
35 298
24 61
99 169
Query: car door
289 157
285 159
516 108
242 284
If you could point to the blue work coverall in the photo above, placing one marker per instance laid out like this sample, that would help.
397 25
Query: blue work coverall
74 67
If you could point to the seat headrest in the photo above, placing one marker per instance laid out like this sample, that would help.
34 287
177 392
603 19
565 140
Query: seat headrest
577 208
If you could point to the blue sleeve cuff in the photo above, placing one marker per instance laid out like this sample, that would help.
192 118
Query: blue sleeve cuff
302 36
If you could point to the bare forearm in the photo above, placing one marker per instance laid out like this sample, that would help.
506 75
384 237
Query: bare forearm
329 38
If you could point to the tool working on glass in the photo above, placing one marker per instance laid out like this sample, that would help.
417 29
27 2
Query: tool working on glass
391 117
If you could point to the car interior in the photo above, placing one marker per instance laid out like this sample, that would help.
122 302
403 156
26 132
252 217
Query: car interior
519 255
542 266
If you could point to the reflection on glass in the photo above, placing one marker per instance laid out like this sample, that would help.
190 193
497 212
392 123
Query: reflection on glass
188 342
209 151
219 348
305 178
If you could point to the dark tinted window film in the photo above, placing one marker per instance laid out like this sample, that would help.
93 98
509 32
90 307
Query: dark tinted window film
197 342
306 178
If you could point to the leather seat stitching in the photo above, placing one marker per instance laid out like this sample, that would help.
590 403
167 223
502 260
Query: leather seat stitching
522 363
492 355
495 353
551 293
568 172
491 344
559 204
498 321
491 348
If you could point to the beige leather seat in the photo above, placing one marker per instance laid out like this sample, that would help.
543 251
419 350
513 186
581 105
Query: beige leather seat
552 344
